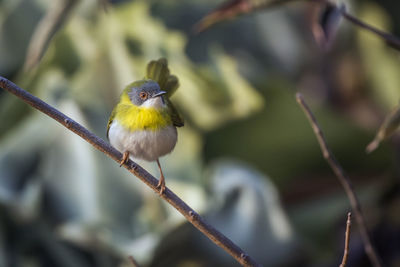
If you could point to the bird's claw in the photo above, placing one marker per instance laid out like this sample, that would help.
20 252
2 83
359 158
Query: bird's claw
161 186
125 158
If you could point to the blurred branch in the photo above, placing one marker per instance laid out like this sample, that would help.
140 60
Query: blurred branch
104 4
324 22
346 241
135 263
233 8
45 30
194 218
388 127
390 39
344 180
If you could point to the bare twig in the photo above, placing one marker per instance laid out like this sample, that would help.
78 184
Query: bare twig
135 263
387 128
234 8
346 241
46 29
104 4
194 218
390 39
344 180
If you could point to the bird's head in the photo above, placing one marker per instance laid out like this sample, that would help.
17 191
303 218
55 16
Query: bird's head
145 93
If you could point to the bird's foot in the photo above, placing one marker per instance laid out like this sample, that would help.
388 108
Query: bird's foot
125 158
161 185
161 182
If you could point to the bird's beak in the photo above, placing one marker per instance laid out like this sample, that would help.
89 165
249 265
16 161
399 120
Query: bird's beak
158 94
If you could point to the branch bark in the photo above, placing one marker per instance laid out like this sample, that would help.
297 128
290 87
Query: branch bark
344 180
136 264
390 39
233 8
46 29
194 218
346 241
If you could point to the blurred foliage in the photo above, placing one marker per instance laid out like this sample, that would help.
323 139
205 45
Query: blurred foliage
246 159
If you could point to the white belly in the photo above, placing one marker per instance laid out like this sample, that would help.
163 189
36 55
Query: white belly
145 144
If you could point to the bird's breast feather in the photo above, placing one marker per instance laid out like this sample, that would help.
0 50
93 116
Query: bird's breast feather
139 118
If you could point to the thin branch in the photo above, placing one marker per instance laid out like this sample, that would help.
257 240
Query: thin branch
390 39
135 263
346 241
45 30
234 8
104 4
344 180
193 217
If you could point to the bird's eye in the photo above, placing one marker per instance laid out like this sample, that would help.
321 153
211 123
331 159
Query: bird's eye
143 95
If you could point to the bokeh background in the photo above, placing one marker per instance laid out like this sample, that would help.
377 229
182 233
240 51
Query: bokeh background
247 159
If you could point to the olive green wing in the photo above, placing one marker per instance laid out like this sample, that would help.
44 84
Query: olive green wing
171 85
110 120
177 120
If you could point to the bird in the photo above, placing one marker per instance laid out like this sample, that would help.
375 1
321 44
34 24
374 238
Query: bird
144 123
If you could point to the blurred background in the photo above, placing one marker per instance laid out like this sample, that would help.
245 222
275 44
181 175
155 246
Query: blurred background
247 159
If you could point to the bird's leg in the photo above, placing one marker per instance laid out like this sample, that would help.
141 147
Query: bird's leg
125 158
161 182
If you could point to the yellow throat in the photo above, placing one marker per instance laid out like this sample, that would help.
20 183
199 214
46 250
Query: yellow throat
136 118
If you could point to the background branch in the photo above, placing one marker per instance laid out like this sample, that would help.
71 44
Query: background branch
346 241
194 218
135 263
344 180
46 29
104 4
390 39
233 8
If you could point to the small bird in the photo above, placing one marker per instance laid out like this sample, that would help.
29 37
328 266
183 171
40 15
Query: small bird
143 124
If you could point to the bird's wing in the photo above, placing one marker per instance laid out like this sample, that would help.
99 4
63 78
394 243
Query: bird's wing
177 120
171 85
110 120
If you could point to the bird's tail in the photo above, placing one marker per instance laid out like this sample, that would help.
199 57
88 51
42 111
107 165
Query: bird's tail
157 70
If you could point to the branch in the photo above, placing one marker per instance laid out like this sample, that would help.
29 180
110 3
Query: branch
136 264
194 218
45 30
230 9
104 4
346 241
390 39
344 180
